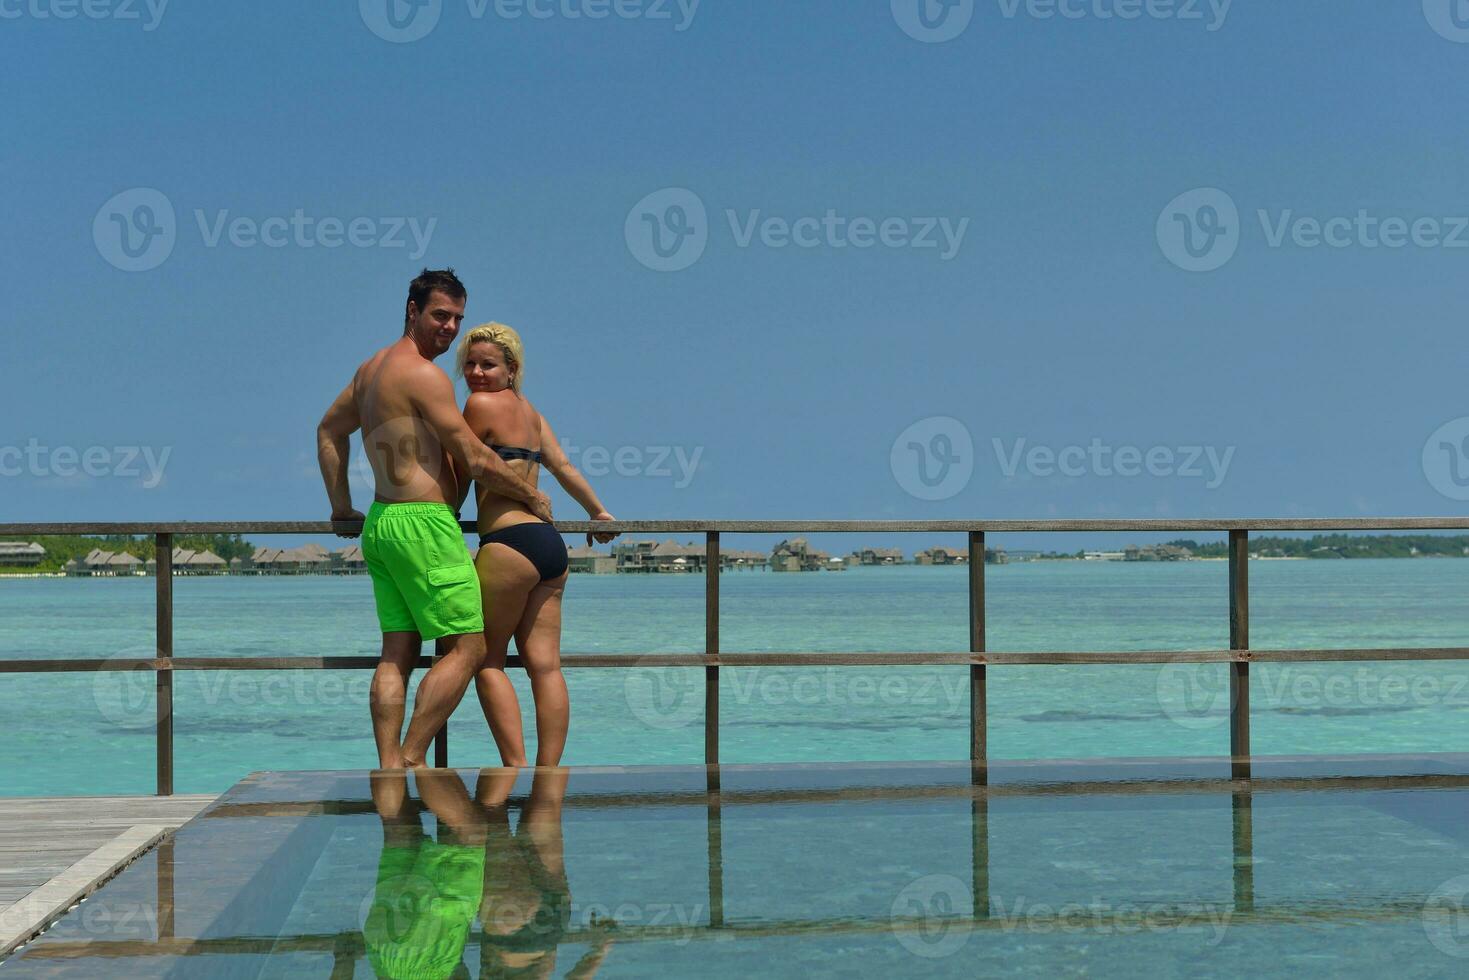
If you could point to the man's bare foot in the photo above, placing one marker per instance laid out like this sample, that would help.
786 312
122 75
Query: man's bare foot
411 764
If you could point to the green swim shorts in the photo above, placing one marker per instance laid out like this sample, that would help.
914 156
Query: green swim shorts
426 898
422 576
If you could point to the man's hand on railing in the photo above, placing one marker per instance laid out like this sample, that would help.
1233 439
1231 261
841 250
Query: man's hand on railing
348 517
541 506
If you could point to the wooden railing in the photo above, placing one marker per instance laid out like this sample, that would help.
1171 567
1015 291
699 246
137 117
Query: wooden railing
1239 655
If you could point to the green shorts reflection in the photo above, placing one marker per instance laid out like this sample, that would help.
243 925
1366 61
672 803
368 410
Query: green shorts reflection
430 892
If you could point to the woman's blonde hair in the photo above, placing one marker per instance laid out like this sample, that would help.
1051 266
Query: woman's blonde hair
502 337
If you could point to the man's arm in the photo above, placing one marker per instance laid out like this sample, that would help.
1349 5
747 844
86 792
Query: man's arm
334 448
432 395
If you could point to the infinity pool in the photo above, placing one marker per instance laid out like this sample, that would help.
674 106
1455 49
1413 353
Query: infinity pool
1321 867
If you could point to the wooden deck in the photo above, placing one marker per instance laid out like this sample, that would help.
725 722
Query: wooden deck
53 848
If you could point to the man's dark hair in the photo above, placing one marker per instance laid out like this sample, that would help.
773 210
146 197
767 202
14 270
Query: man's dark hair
430 281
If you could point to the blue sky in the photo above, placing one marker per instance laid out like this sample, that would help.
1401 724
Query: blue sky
530 152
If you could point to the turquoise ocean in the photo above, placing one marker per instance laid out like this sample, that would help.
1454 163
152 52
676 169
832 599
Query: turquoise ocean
90 734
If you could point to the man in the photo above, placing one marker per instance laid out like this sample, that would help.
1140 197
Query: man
422 577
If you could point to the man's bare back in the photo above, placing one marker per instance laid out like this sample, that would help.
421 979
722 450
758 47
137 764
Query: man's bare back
409 463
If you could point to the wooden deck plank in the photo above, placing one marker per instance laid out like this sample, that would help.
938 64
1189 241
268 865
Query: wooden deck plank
40 838
27 917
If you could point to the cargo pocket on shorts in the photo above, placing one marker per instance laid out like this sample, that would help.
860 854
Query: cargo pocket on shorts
455 594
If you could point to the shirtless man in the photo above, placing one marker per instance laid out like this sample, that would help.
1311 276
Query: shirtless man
422 576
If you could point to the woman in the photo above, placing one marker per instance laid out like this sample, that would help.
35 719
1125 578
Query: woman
522 560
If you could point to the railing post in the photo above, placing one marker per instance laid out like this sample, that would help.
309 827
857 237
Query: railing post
978 709
711 649
441 737
1239 639
163 679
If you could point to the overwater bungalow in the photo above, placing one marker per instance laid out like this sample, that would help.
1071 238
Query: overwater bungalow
939 555
188 562
109 564
21 554
349 561
877 556
1162 552
311 559
590 561
797 555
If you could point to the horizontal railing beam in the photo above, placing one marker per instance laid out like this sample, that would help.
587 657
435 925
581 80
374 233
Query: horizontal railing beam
817 796
788 527
632 660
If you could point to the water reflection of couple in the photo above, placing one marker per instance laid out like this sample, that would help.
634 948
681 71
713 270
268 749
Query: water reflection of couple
430 892
424 454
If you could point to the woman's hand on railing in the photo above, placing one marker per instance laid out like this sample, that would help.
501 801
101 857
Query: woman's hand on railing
602 538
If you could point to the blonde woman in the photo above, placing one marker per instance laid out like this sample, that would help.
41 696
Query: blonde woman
522 560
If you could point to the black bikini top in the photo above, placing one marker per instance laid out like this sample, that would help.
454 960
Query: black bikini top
512 452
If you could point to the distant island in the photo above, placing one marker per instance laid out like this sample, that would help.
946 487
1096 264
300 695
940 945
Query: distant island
231 554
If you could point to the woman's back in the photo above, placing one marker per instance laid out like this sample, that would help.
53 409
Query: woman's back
510 425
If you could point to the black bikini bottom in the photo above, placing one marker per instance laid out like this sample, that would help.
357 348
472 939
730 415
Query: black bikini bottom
537 541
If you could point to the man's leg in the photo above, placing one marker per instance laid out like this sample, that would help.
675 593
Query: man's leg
390 693
442 689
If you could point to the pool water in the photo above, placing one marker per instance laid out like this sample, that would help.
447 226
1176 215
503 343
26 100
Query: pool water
1347 866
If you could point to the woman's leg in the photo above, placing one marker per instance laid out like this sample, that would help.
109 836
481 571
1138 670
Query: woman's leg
506 578
538 639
